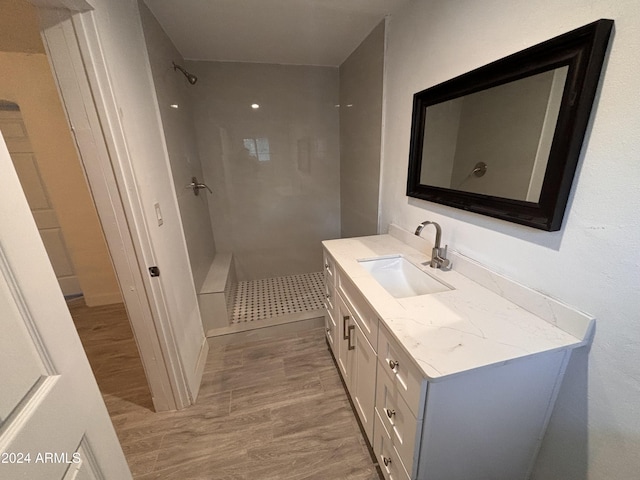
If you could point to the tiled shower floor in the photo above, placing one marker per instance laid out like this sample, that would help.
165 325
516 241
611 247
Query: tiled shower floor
277 297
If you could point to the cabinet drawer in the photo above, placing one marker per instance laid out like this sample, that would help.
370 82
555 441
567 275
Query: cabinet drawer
329 297
405 375
329 268
397 417
331 328
387 457
363 314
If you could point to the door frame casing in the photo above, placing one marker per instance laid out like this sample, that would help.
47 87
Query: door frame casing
73 46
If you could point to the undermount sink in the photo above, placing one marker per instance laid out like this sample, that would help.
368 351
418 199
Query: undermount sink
402 278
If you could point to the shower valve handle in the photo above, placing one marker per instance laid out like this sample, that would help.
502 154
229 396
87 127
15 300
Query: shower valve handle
196 186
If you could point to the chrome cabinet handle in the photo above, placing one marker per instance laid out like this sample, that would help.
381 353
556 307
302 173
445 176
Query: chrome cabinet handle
387 461
345 324
393 364
390 413
349 346
326 265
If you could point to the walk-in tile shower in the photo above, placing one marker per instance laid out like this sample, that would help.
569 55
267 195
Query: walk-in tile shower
265 139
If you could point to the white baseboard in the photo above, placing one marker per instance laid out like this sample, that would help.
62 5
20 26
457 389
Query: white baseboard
108 298
202 360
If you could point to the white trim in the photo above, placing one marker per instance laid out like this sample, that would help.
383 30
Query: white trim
202 360
75 51
73 5
107 109
383 114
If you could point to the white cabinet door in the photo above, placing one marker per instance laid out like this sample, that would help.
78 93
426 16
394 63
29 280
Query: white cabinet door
363 379
357 361
53 422
345 355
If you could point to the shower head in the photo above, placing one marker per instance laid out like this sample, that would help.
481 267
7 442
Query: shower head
191 77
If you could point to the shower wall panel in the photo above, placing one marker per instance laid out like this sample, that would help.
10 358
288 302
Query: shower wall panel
361 135
172 91
268 137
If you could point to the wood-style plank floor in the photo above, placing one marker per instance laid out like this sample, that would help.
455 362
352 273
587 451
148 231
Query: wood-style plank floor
267 409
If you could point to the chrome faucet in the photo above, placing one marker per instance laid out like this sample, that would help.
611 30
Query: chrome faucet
438 255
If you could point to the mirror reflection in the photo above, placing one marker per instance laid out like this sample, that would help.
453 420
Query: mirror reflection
496 141
504 140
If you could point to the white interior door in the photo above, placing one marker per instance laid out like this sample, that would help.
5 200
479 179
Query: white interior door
24 160
53 421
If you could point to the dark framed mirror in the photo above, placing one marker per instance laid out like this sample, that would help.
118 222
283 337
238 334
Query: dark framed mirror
504 140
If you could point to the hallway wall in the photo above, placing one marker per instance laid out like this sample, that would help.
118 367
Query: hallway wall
274 170
27 80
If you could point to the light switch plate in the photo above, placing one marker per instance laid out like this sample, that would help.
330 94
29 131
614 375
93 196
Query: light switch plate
158 214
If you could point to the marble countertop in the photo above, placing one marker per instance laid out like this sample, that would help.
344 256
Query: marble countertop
466 328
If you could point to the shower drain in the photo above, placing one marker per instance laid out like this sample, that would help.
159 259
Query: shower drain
275 297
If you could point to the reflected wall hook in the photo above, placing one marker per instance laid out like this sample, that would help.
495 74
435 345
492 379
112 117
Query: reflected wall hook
196 186
479 169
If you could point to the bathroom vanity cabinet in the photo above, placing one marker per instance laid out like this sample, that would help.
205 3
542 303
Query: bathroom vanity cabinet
331 325
351 327
486 424
453 386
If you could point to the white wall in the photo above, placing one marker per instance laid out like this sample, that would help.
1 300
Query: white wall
593 262
125 56
27 80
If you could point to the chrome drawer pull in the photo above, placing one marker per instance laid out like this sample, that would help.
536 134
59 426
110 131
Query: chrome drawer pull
345 323
393 364
349 346
387 461
390 413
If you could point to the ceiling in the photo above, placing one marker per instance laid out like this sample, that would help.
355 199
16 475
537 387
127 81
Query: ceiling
297 32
